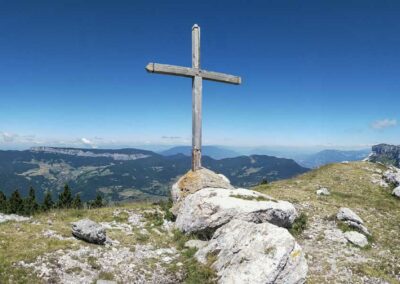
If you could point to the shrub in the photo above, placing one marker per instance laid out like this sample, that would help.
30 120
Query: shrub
299 225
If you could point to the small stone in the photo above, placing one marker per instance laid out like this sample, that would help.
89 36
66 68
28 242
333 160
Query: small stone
396 192
323 191
356 238
89 231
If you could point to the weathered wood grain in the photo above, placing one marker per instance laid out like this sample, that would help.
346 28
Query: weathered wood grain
197 86
191 72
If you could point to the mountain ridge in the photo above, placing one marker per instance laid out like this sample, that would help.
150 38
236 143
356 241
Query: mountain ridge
127 174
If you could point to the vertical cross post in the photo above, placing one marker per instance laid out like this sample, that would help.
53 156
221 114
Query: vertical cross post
197 86
197 76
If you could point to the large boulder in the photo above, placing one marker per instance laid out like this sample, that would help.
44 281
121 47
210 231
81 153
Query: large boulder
193 181
210 208
89 231
245 252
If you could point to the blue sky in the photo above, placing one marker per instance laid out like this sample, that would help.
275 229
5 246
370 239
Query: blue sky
314 72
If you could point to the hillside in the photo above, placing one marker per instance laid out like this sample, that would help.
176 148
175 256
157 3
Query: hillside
124 174
332 156
353 185
214 152
145 248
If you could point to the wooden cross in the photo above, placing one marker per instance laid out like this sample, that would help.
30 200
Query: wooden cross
197 76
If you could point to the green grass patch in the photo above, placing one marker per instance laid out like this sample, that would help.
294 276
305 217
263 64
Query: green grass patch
299 225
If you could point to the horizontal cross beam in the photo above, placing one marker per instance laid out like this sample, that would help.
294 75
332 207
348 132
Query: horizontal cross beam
192 72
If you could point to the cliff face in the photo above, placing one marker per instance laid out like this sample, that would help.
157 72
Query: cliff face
386 154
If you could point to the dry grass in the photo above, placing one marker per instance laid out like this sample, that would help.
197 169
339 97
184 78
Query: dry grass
350 186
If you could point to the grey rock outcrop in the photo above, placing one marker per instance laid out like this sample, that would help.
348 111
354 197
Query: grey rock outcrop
210 208
392 176
89 231
386 154
255 253
323 191
356 238
346 214
352 220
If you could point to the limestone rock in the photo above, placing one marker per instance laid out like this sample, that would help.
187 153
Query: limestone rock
359 227
89 231
356 238
392 176
13 217
208 209
255 253
323 191
198 244
193 181
396 192
346 214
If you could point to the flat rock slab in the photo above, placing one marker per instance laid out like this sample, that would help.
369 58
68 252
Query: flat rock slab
210 208
356 238
247 253
346 214
89 231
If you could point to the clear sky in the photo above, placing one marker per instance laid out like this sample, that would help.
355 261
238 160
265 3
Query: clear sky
314 72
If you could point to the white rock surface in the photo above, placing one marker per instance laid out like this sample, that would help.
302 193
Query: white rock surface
396 192
198 244
356 238
210 208
89 231
358 226
346 214
255 253
392 176
13 217
195 181
323 191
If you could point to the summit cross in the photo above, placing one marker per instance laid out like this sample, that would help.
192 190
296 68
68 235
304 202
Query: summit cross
197 74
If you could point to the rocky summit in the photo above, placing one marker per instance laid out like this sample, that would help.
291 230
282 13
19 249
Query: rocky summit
248 240
280 232
386 154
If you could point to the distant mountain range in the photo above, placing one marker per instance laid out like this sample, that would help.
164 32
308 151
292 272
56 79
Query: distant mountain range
308 160
214 152
125 174
332 156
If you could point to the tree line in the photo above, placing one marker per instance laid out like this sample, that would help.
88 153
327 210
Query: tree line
27 206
